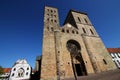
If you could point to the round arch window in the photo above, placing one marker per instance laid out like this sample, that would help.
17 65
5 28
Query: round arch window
73 47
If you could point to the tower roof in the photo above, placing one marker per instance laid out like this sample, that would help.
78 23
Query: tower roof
77 11
70 15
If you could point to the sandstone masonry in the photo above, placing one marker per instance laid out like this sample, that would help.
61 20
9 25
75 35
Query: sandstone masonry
73 50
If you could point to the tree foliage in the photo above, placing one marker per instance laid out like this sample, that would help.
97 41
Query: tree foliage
1 70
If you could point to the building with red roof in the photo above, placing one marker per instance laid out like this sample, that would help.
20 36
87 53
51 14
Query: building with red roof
6 70
6 73
115 54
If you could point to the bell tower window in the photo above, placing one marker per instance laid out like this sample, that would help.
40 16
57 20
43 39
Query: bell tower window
83 30
79 19
55 21
91 31
51 16
86 20
52 29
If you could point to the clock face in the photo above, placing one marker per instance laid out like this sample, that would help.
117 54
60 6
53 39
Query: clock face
21 72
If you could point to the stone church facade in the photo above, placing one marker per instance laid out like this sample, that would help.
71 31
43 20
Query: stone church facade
73 50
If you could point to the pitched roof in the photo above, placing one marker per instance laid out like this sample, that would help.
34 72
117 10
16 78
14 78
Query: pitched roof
113 50
6 70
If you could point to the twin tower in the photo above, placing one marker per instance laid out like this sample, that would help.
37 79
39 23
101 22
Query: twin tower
73 50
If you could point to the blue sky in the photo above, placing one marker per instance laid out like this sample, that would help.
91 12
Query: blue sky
21 25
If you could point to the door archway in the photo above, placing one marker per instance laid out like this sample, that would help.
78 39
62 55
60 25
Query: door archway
78 65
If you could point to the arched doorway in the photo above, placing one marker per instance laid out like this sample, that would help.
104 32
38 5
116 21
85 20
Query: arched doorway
78 65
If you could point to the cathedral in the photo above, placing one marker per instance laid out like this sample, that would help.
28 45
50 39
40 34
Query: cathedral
72 50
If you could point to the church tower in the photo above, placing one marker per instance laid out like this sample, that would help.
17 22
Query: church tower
49 57
73 50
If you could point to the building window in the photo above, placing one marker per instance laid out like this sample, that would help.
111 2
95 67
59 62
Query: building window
79 19
48 28
28 68
55 21
83 30
91 31
47 19
13 74
86 20
67 31
55 16
52 29
58 51
76 32
51 15
63 30
14 69
115 55
104 61
51 20
54 11
119 62
73 32
112 56
27 73
119 55
51 11
47 9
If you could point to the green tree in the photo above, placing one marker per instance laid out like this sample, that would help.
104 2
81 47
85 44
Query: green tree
1 70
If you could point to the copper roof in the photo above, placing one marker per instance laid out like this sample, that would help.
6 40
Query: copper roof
113 50
6 70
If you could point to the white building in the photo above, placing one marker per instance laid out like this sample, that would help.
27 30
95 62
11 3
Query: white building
115 54
21 70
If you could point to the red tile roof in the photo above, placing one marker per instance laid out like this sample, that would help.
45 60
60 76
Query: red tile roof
113 50
6 70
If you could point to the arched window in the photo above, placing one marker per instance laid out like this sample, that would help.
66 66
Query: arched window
79 19
13 74
55 16
48 28
51 15
67 31
54 11
63 30
27 73
51 10
83 30
55 21
76 32
28 68
14 69
73 31
52 29
91 31
51 20
47 19
104 61
73 47
86 20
